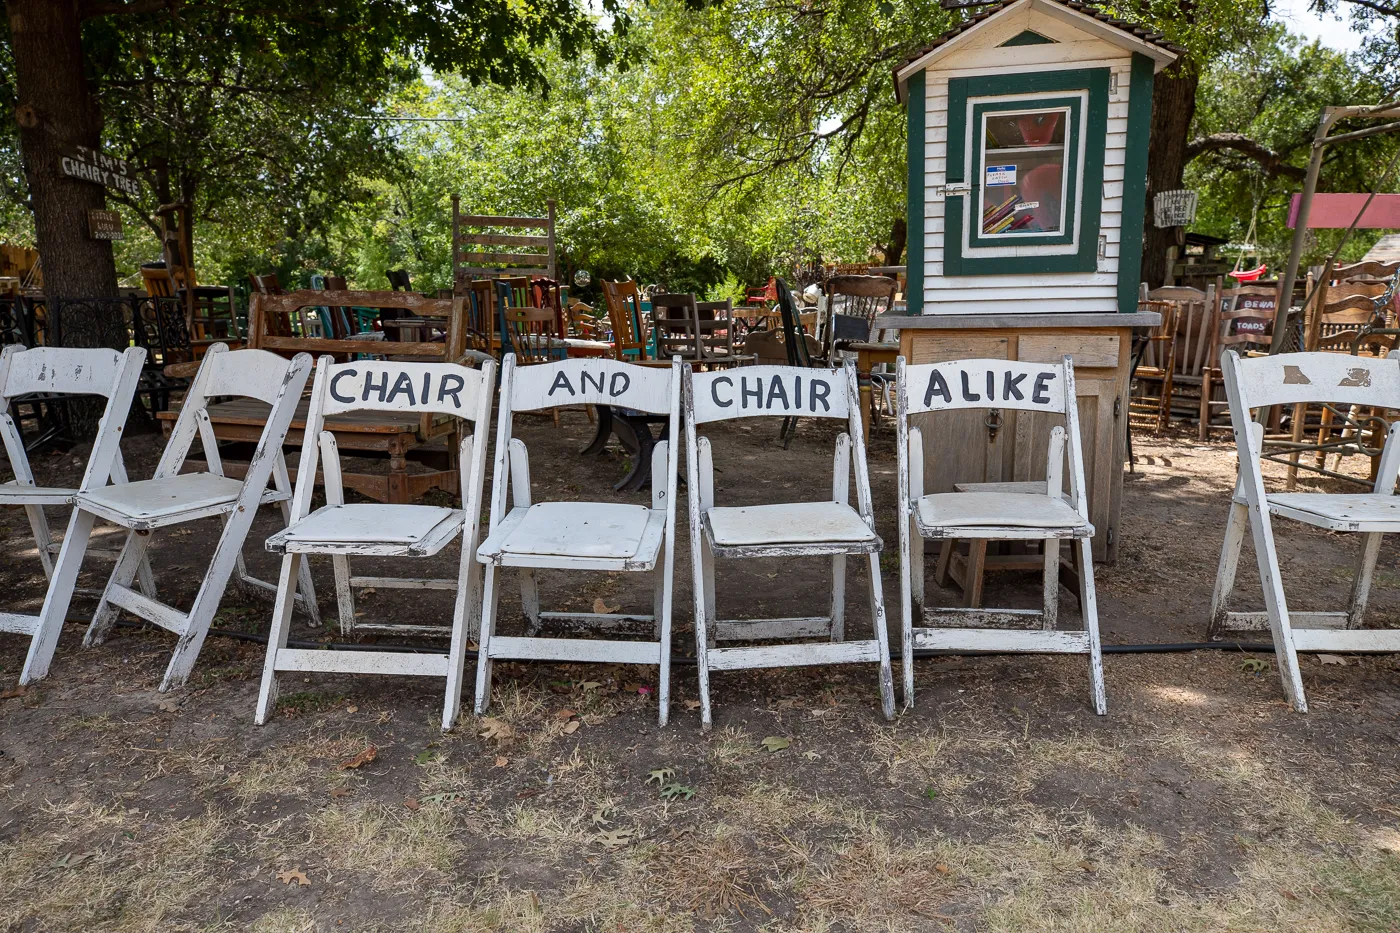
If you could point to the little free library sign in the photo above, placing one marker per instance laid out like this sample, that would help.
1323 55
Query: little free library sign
91 165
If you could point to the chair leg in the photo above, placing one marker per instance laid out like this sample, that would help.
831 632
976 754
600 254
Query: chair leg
1091 626
465 621
277 635
489 603
132 556
661 602
838 597
344 596
1361 584
58 597
973 573
1235 527
1280 624
882 636
705 626
1051 585
282 480
39 525
530 600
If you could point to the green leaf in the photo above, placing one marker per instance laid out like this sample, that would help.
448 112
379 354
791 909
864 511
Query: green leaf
661 775
775 743
671 791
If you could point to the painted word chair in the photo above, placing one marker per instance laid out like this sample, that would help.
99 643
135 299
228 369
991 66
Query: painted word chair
1297 379
172 498
787 529
64 371
595 536
339 529
1041 390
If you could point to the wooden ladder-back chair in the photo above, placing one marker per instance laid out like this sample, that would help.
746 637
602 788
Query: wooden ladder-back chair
1244 324
829 529
675 321
476 254
1177 366
1049 516
607 537
64 371
853 303
631 340
172 498
340 529
1156 363
715 333
1292 379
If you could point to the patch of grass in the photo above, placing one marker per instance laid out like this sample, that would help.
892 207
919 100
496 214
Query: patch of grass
281 770
393 846
308 701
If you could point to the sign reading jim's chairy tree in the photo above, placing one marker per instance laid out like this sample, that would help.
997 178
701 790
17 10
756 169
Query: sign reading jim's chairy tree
92 165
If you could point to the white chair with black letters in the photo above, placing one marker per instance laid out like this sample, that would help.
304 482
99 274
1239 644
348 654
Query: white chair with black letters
1043 388
830 529
339 529
1290 379
593 536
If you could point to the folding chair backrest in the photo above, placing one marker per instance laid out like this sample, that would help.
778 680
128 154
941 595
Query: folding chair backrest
1294 378
793 333
781 391
255 374
987 384
591 381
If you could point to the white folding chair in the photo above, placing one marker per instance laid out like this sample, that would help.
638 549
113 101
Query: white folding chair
55 371
787 529
174 498
603 536
1044 388
1294 379
339 529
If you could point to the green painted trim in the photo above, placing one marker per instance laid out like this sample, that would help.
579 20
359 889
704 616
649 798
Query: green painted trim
1070 168
1028 37
1095 128
914 217
1135 182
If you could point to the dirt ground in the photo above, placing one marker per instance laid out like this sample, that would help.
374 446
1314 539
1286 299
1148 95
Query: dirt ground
1199 803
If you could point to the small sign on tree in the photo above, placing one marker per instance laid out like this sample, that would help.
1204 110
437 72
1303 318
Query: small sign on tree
104 225
94 166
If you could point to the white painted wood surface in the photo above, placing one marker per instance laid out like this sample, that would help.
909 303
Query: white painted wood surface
996 515
1287 379
793 529
575 536
339 530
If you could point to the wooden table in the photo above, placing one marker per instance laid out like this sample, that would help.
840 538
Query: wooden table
378 433
868 356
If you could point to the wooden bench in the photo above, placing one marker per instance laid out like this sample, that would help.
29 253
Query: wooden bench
397 436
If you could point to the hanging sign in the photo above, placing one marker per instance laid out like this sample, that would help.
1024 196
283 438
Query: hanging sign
104 225
91 165
1000 175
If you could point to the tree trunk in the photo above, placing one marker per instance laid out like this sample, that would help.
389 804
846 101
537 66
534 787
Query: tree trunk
1173 106
55 111
899 236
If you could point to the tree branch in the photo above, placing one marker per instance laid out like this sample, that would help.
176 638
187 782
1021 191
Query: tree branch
1270 161
89 9
1382 8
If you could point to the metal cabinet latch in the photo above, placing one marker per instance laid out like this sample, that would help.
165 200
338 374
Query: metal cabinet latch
993 423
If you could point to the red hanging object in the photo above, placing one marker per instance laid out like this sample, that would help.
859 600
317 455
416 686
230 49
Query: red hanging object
1251 275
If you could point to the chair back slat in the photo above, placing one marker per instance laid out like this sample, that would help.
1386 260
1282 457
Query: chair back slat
1294 378
1001 384
782 391
62 371
591 381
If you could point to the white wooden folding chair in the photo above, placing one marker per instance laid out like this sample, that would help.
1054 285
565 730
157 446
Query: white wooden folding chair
55 371
173 498
602 536
786 529
1296 379
1043 388
339 529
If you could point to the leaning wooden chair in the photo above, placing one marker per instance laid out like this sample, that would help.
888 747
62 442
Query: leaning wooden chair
1290 379
173 498
788 530
339 529
1043 388
63 371
611 537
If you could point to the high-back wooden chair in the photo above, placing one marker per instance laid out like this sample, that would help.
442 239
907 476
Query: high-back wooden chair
491 252
1297 379
1147 400
827 529
675 320
171 498
62 371
157 281
715 326
340 529
1176 367
1049 516
631 341
1245 324
609 537
853 302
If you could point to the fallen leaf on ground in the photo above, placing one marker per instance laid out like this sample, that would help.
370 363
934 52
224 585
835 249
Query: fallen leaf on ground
293 875
571 727
360 760
565 714
671 791
614 838
589 685
412 803
169 706
352 709
661 775
16 692
340 792
1332 659
426 756
72 860
692 704
942 869
502 761
497 729
775 743
600 816
603 608
1088 865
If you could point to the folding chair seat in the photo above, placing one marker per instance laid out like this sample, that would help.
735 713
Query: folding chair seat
606 536
1051 516
63 371
340 529
1299 379
173 498
788 530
